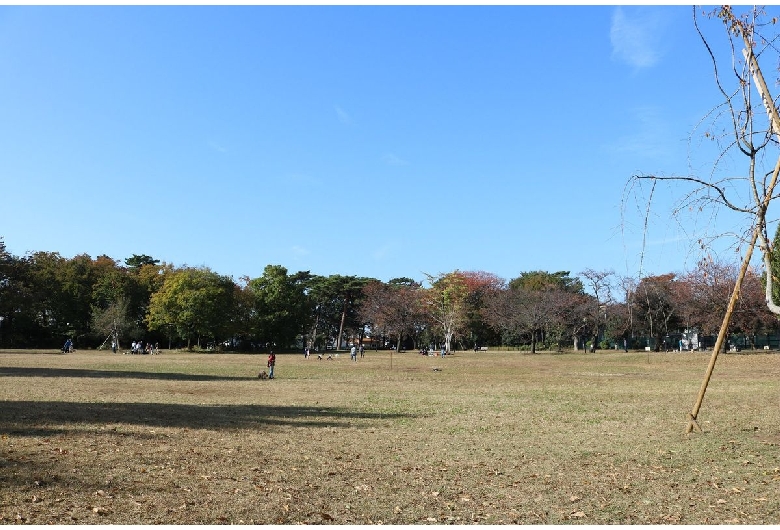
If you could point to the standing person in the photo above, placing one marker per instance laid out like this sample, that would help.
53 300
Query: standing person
353 353
271 364
443 352
113 346
67 347
362 351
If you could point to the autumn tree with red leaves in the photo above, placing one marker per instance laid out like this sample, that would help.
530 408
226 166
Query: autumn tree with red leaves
481 287
394 308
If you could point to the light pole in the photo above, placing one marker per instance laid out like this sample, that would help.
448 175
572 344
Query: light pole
1 330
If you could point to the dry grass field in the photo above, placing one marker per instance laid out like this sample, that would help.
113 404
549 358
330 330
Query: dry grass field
490 438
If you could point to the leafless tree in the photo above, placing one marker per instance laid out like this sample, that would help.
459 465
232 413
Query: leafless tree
600 283
520 311
746 123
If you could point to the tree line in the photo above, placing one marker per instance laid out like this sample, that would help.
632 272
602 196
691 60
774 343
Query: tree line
46 298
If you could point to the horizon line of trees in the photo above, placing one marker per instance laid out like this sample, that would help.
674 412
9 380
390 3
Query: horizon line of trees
46 298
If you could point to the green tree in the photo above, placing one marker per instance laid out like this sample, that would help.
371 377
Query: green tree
143 281
348 292
195 302
109 282
48 307
325 315
541 280
774 268
77 277
137 261
280 305
9 284
19 304
334 303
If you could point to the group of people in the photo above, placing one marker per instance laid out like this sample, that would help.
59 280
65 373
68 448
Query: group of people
353 352
68 347
137 348
426 351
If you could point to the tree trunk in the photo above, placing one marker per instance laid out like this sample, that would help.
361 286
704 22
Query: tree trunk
313 339
341 325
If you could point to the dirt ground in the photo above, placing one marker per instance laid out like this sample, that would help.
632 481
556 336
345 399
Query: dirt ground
477 438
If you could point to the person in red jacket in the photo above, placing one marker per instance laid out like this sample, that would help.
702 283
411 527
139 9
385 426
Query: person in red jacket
271 364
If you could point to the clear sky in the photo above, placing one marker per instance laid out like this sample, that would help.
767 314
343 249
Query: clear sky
375 141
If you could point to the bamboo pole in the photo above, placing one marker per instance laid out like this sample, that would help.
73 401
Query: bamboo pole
692 424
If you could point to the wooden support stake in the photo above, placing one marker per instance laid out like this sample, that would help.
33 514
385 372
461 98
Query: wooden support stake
724 326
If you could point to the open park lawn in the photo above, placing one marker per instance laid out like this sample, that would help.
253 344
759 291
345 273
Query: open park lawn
489 438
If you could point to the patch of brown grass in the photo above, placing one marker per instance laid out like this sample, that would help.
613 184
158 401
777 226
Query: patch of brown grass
493 437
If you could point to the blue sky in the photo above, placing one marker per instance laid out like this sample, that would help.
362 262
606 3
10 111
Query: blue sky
375 141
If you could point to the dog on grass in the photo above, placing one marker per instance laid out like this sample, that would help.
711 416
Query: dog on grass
262 375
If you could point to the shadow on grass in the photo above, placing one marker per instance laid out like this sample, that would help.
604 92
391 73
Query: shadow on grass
108 374
44 418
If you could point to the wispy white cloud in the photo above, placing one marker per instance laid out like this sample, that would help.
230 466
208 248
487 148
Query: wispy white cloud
672 239
217 147
636 35
343 116
299 179
383 252
392 160
650 136
299 251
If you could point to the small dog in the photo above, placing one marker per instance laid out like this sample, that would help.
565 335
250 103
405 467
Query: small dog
319 356
262 375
